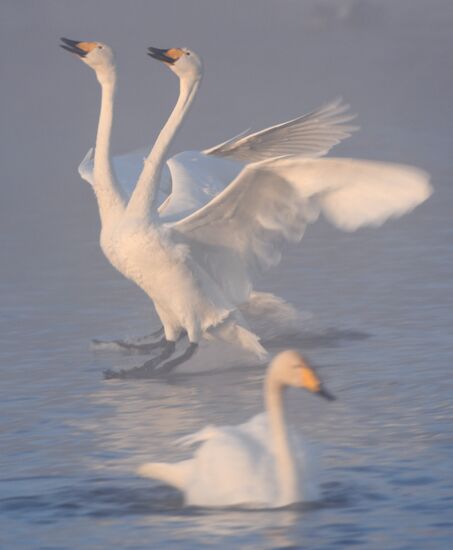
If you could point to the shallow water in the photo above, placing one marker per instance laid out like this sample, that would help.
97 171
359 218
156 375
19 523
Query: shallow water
377 304
379 333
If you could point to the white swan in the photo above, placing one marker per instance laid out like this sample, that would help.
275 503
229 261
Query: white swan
195 177
192 178
261 462
198 269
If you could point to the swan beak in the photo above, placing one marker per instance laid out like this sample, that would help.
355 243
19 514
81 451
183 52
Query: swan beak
322 392
77 47
167 56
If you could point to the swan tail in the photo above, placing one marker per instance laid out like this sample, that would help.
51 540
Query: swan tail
176 474
270 316
233 333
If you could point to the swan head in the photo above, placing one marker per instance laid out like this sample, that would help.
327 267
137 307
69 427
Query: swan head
97 55
289 368
185 63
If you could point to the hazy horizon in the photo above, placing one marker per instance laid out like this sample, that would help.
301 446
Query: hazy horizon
265 62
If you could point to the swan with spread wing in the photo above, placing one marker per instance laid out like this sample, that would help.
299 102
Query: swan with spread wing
196 253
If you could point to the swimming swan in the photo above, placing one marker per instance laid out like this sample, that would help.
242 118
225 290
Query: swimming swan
259 463
198 268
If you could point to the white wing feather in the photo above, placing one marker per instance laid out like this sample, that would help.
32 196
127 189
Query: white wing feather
240 231
196 179
86 166
256 428
189 179
208 432
311 135
192 178
127 170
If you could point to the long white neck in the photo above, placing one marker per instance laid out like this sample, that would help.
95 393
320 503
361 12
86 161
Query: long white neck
286 471
142 203
106 188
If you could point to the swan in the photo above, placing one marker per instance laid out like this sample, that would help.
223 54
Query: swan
261 462
198 266
191 178
194 177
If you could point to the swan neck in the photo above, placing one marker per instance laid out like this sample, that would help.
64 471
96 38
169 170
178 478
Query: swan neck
103 136
286 472
143 201
105 185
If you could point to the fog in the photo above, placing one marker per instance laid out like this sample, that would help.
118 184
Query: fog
265 62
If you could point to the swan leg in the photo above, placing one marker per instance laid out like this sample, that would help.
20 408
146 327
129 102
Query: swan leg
167 367
130 346
147 370
157 333
143 347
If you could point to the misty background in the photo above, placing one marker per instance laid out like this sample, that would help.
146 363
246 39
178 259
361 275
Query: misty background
265 62
377 304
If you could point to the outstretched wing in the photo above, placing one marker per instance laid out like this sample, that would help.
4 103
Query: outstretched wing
85 168
195 180
189 179
240 231
127 169
311 135
192 178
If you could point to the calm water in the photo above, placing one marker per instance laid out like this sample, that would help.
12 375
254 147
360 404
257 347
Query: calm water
378 303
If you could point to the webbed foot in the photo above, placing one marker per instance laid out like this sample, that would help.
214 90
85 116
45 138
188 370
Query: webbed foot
147 370
135 346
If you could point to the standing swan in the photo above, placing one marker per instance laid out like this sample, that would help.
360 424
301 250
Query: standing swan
195 177
198 267
261 462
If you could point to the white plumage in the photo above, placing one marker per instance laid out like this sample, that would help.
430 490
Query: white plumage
311 135
192 178
261 463
196 253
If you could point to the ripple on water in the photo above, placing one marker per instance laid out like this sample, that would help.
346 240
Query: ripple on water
104 498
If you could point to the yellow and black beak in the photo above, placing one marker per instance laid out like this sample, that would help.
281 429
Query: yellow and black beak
322 392
78 47
311 382
167 56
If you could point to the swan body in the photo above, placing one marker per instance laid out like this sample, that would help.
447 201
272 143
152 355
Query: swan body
260 463
197 253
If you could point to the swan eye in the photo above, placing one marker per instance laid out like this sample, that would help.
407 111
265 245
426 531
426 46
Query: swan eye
187 53
100 47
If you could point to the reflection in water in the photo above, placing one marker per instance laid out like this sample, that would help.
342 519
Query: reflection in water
146 416
273 526
160 507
